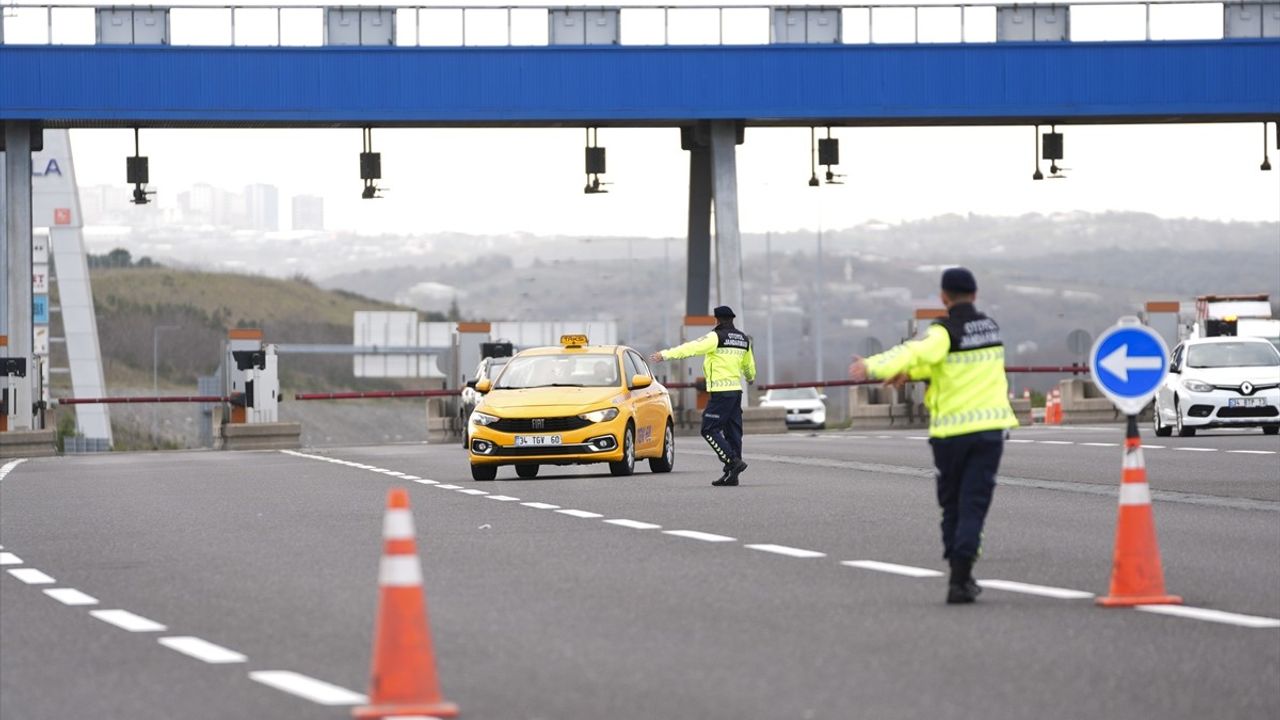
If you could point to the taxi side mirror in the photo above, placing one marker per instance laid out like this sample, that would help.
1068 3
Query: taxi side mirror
640 381
472 384
483 386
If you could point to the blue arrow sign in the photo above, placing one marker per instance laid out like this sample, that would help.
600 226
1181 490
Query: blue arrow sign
1129 361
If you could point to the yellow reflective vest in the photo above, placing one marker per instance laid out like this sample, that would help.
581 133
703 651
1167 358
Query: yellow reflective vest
962 358
727 360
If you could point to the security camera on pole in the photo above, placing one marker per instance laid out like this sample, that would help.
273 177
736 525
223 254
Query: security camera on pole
1129 361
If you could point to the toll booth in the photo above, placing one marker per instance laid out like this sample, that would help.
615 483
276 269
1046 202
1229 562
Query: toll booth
19 385
252 379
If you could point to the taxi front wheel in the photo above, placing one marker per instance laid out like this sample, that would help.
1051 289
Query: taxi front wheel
627 465
484 472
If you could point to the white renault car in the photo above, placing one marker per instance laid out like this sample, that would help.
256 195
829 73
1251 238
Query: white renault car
1220 382
805 407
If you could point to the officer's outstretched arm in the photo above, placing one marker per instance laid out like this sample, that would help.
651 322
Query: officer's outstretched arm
911 355
701 346
749 365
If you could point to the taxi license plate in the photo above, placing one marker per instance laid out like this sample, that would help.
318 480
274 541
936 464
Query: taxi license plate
537 440
1246 402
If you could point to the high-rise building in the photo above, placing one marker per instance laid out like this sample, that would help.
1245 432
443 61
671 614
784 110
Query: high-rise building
308 212
262 207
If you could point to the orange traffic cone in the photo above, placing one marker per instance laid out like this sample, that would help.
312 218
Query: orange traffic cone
1136 576
403 680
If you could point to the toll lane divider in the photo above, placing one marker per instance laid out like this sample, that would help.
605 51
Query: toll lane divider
1058 593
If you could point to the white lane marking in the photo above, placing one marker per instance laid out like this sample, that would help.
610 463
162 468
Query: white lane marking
1041 590
71 596
414 478
8 558
541 506
1253 452
202 650
851 437
1153 447
308 688
1055 442
1101 444
1020 442
1218 616
394 473
31 576
907 570
917 437
503 498
786 550
449 487
126 620
9 466
634 524
697 535
471 491
1197 449
884 437
424 481
580 514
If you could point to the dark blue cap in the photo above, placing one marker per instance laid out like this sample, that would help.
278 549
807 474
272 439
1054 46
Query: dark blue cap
724 311
959 280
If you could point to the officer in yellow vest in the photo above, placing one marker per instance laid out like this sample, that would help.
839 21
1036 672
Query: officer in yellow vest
962 358
727 360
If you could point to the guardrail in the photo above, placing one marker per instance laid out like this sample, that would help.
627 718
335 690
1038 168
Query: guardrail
266 25
140 400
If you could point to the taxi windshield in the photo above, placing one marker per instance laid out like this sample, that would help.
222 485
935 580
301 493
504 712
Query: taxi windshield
533 371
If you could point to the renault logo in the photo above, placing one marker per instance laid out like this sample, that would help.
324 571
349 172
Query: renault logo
1246 388
539 423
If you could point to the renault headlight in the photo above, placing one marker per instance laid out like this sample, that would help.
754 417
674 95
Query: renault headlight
599 416
1197 386
479 418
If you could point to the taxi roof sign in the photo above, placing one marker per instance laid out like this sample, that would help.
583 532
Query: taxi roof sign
573 341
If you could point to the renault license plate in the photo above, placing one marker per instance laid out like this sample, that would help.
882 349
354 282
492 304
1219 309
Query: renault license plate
537 440
1246 402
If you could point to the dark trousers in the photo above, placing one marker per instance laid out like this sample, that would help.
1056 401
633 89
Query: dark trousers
722 424
966 471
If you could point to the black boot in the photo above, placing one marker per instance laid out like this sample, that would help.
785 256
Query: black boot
962 588
731 473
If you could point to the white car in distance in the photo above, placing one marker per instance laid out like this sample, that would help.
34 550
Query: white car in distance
1220 382
805 406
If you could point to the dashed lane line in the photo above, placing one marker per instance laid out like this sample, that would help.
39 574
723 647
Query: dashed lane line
540 505
472 491
1195 449
1019 441
126 620
1101 444
503 498
1218 616
71 596
309 688
424 481
202 650
698 535
1153 447
586 515
1054 442
1040 590
634 524
786 550
31 576
449 487
1253 452
8 558
907 570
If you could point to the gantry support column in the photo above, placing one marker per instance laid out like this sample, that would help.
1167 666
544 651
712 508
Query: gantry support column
15 254
713 181
724 190
698 274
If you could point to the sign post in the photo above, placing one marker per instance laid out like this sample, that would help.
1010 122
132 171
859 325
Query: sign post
1129 362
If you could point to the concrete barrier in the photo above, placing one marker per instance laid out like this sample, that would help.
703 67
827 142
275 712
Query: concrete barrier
28 444
755 421
261 436
874 407
1083 403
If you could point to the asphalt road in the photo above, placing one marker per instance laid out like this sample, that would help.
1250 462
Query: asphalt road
542 614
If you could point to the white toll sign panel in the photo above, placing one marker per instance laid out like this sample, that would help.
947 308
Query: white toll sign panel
1129 361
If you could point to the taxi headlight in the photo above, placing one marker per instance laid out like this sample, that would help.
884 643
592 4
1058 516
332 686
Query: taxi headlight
1197 386
480 418
599 416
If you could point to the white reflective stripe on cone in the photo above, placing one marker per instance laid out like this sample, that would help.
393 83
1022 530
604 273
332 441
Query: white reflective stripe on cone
1133 459
1135 494
397 525
399 571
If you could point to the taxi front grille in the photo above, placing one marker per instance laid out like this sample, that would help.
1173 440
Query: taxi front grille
534 425
1249 412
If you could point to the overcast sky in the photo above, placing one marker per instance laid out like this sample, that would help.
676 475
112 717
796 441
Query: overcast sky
499 181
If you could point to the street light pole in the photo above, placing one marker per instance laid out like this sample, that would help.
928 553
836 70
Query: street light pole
155 362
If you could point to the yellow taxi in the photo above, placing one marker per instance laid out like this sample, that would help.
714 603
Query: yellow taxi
568 405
